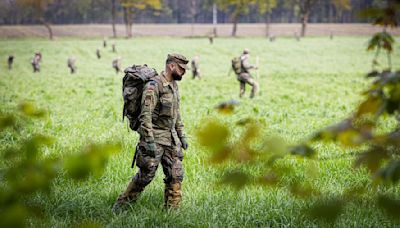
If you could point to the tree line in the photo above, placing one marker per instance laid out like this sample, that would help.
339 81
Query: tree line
183 11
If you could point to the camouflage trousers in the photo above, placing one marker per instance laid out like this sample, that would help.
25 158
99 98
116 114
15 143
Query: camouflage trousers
196 74
170 158
36 67
245 78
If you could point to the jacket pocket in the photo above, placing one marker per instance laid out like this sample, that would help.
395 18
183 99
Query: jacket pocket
166 108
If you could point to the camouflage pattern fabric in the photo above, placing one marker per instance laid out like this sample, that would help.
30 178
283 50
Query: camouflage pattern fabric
10 61
116 64
160 120
98 54
160 123
195 68
35 62
245 77
170 158
71 65
211 39
246 66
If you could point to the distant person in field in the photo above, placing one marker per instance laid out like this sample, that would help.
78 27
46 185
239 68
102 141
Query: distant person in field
98 53
116 64
272 38
195 67
242 67
114 49
10 61
104 42
161 133
36 62
71 65
211 39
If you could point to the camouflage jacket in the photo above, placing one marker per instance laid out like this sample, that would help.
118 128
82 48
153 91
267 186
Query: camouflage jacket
195 65
36 59
160 119
246 66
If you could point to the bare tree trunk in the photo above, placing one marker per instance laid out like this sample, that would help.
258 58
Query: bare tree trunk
113 13
304 21
48 27
193 13
291 14
235 22
215 19
267 23
128 22
234 29
130 34
331 8
305 10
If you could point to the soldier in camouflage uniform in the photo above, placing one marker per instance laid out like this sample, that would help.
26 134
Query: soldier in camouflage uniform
71 65
114 49
195 67
245 76
10 61
161 136
116 64
36 61
98 53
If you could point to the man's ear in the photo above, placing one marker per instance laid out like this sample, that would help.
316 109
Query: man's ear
169 66
172 66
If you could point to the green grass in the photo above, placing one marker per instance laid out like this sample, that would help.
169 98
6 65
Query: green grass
305 86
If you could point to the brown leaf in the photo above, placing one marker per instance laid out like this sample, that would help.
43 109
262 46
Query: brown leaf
213 135
372 158
236 179
373 105
327 210
390 206
227 107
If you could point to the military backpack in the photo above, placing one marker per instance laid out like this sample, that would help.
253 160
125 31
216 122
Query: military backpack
237 65
132 88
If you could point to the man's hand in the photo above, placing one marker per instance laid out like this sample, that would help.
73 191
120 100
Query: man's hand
184 143
151 149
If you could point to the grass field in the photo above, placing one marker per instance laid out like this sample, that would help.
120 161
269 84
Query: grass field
305 86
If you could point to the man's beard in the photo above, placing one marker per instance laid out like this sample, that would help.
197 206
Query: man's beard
176 76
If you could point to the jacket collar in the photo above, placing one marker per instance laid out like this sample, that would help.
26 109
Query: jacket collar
164 81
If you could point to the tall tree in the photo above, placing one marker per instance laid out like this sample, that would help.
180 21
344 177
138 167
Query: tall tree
39 7
131 6
236 8
113 17
265 7
341 5
305 7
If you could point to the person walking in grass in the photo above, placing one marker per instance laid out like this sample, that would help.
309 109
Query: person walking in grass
71 64
195 67
116 64
10 61
36 62
242 67
162 136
